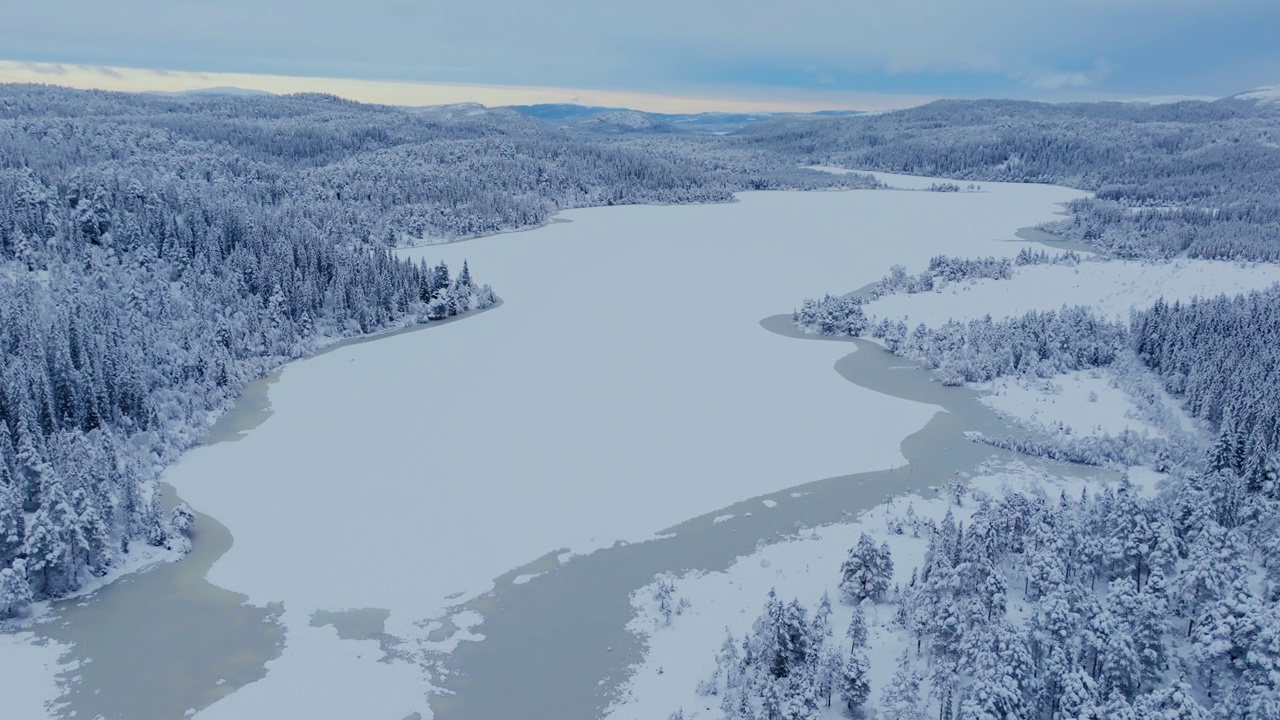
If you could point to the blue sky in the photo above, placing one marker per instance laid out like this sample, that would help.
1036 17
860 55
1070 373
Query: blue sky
770 52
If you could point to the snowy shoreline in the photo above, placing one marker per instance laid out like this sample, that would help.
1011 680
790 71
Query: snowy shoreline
151 576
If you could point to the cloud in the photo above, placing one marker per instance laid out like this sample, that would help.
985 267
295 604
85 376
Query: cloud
420 93
1046 79
656 45
44 68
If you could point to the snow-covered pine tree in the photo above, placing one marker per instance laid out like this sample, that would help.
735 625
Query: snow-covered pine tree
855 687
868 571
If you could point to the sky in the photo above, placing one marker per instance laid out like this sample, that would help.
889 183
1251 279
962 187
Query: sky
673 55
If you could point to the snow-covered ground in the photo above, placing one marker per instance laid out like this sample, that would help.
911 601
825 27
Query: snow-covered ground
1110 287
897 181
1087 402
683 652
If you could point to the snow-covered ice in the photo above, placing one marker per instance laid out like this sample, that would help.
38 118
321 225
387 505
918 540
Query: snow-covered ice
322 676
624 386
29 684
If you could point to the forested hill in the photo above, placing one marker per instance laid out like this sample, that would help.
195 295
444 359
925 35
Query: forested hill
1200 178
374 172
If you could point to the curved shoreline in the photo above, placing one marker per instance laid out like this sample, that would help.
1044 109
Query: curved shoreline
581 607
123 636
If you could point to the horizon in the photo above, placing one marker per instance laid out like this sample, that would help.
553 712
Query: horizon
432 94
426 94
665 56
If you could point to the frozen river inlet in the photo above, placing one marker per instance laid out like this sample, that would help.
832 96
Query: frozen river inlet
625 385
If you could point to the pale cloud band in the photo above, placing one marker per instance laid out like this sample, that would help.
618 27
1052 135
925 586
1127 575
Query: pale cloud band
758 54
389 92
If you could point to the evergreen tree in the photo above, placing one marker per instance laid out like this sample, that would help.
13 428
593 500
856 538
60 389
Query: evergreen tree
15 591
857 632
867 572
1173 702
901 698
855 685
828 672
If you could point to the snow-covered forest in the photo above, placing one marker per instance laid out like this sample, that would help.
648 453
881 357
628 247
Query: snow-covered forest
1106 605
1200 178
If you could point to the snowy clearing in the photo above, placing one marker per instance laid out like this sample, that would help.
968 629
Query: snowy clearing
1084 402
896 181
1110 287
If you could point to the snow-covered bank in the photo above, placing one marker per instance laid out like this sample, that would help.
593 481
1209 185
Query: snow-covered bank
35 667
898 181
682 652
1110 287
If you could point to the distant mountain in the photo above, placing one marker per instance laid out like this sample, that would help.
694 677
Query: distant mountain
626 121
452 111
561 113
622 120
215 92
1266 95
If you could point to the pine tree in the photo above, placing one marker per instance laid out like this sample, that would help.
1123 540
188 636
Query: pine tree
1117 708
857 632
726 674
820 626
15 591
1173 702
1215 563
855 685
868 571
771 702
12 520
827 674
1078 695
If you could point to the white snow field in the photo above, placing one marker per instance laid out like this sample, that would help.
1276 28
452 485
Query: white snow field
624 385
1110 287
896 181
1083 402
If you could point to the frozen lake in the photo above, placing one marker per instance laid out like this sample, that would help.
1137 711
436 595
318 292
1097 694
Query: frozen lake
624 386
